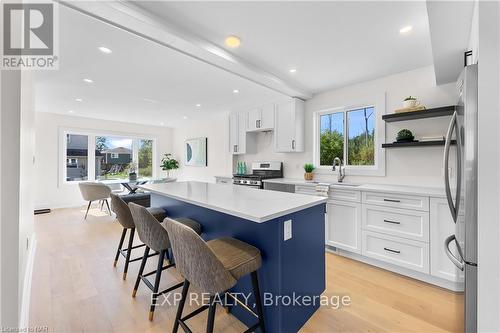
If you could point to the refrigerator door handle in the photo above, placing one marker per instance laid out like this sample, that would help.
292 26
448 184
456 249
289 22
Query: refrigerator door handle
457 262
453 206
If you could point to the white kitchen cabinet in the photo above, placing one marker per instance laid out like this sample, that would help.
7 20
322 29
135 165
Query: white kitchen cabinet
289 126
238 141
344 225
442 226
261 119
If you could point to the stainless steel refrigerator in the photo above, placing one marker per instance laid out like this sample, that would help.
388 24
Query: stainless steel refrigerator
462 192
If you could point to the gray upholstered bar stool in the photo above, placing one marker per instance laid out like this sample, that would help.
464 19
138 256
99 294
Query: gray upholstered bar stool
124 217
213 267
156 238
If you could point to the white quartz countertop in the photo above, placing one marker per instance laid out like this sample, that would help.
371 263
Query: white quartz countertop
241 201
402 189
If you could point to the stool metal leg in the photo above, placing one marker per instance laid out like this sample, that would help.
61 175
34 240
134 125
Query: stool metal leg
87 212
211 315
107 205
129 250
141 270
258 300
157 284
122 238
178 316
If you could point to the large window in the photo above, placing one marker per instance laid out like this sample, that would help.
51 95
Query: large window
349 134
113 155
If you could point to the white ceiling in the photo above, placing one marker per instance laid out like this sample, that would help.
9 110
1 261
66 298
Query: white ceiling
140 82
332 44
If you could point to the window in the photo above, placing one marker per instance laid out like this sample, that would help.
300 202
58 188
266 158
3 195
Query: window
113 156
76 157
350 134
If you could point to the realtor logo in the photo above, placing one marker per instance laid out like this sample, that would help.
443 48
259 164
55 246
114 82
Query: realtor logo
29 39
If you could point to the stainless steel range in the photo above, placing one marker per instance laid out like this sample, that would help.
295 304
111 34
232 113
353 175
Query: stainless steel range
260 171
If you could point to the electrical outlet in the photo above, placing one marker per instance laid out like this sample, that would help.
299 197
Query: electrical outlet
288 230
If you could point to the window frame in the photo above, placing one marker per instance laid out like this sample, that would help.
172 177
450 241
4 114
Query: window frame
91 135
353 170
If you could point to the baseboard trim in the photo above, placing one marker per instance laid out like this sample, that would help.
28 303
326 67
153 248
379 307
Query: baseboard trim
28 278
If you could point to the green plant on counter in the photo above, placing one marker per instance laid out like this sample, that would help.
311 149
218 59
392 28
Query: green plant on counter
168 163
405 135
410 98
308 167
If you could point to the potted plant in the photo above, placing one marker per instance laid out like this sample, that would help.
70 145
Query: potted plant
410 102
132 171
308 168
405 135
168 163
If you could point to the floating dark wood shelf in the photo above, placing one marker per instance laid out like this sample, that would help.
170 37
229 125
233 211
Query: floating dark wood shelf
429 113
416 144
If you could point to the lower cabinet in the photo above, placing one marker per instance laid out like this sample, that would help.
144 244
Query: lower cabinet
343 227
442 226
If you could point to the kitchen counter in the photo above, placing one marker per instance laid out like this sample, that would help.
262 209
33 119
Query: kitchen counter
287 228
248 203
400 189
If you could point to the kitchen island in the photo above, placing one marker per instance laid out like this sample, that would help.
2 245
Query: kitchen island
291 269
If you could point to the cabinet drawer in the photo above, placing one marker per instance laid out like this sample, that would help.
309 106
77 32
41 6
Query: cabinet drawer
224 180
397 200
397 222
305 189
398 251
345 195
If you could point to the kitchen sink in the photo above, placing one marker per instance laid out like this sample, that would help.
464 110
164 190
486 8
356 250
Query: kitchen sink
337 184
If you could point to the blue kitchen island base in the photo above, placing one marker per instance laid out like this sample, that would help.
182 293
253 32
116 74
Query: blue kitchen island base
292 276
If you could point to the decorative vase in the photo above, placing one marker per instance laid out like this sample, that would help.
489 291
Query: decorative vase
410 103
308 176
132 176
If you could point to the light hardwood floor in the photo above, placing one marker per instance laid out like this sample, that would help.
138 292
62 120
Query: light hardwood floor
76 289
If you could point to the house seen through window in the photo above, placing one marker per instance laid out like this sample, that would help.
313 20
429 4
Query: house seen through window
349 135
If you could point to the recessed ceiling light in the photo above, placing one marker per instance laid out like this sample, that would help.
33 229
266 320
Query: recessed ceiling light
71 111
105 50
162 123
406 29
185 117
88 80
292 70
236 91
198 105
150 100
78 99
232 41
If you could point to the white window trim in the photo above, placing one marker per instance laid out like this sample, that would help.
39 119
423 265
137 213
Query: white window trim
63 131
353 170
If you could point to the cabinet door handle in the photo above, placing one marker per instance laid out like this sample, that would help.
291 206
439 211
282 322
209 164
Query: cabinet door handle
235 148
256 124
392 200
393 222
293 144
391 250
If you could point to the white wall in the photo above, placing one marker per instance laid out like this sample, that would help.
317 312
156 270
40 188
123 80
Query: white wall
48 192
216 129
488 168
415 166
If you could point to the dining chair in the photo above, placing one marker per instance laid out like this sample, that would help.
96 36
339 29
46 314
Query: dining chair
92 191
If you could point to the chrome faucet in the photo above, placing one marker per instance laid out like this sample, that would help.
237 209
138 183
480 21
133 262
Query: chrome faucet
341 174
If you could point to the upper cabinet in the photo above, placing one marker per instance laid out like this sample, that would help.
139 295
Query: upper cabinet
261 119
289 126
238 142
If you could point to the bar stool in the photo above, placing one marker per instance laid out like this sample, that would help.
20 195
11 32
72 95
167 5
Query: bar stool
156 238
213 267
124 217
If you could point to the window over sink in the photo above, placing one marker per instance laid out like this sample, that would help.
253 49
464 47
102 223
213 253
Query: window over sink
353 134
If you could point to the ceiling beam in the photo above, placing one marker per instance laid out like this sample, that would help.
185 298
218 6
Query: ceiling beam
135 20
450 26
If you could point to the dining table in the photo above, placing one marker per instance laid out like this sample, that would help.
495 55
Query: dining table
132 185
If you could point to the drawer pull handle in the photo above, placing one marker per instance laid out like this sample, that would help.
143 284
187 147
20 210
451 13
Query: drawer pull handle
393 222
392 200
391 250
